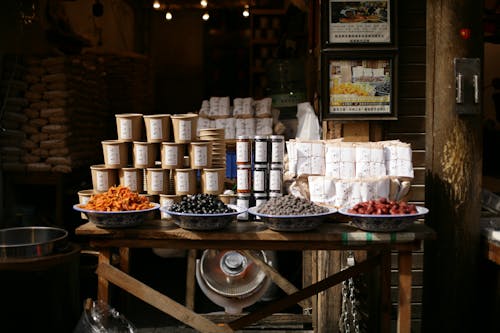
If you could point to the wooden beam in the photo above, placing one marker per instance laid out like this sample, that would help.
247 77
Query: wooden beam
275 276
454 169
158 300
307 292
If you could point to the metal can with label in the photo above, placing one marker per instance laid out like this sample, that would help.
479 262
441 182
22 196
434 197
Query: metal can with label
244 178
260 199
243 150
277 148
276 178
275 195
243 201
261 149
260 178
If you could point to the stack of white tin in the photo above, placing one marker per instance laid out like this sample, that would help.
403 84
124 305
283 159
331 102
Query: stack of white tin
259 162
164 165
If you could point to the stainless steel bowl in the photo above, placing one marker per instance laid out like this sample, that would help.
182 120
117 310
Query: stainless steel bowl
204 222
29 242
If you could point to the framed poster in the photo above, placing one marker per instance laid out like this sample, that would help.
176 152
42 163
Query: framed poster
359 85
358 22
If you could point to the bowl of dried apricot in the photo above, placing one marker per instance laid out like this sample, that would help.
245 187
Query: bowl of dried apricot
119 207
383 215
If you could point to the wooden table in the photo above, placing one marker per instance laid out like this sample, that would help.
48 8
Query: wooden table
253 235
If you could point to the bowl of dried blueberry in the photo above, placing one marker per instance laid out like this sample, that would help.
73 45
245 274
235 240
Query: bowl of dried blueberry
383 215
202 212
291 214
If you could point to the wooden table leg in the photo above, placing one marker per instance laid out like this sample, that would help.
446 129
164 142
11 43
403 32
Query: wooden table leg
104 257
124 259
190 279
404 306
385 290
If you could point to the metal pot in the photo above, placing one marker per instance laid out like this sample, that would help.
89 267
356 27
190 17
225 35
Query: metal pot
29 242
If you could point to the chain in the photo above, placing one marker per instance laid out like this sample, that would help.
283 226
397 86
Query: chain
350 317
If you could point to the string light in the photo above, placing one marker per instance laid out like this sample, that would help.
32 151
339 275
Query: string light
156 4
168 16
205 16
204 4
246 13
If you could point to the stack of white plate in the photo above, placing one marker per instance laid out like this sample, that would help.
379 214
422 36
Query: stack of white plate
216 136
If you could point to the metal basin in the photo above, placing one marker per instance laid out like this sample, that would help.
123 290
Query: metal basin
29 242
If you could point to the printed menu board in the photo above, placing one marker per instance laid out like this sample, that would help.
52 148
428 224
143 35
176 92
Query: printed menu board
360 86
359 21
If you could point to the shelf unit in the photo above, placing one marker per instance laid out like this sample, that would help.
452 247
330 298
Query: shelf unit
266 26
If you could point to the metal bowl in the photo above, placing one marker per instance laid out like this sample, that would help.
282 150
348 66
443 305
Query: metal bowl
29 242
385 222
292 223
192 221
118 219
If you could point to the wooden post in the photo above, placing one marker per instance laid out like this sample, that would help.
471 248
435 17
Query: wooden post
453 177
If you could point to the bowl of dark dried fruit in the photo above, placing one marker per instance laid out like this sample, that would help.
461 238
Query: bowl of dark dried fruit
291 214
202 212
383 215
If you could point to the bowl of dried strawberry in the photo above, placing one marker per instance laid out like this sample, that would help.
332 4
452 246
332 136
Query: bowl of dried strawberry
383 215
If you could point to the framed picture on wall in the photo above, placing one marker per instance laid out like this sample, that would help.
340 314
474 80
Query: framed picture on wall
359 85
358 22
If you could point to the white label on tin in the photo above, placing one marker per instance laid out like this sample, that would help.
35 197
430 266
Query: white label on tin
130 180
182 183
245 203
155 128
211 181
141 155
157 181
259 180
260 201
242 151
260 151
166 203
84 199
277 152
243 179
102 180
185 129
170 155
200 156
113 153
125 129
275 180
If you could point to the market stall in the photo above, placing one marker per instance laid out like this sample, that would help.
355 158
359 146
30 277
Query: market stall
302 194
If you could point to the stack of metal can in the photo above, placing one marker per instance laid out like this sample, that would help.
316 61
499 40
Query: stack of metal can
259 161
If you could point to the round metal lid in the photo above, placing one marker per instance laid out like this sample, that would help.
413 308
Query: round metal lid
230 273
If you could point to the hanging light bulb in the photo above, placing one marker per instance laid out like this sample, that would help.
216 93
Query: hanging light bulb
205 16
246 12
204 3
156 4
168 15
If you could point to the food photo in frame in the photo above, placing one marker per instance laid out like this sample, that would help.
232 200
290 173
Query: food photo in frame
358 22
359 86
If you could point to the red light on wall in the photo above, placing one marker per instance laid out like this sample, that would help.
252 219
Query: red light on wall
465 33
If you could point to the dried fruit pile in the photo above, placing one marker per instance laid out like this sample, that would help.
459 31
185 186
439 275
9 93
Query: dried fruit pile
383 206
